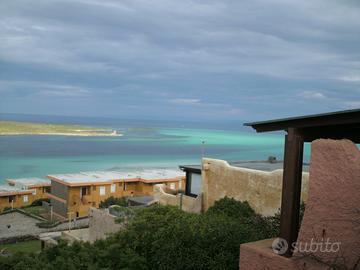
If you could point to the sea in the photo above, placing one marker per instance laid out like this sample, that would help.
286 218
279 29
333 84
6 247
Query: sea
145 144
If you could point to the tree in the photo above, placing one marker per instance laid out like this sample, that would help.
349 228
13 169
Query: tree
113 201
161 237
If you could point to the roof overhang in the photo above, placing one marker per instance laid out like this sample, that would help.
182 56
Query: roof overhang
14 193
334 125
191 168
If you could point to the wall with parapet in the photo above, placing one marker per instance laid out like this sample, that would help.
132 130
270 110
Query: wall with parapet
261 189
186 203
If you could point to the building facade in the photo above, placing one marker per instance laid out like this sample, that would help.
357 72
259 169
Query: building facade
23 192
40 186
13 197
72 195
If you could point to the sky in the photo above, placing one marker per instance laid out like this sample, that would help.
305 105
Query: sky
184 60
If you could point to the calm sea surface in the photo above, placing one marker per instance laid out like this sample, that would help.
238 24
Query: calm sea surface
145 144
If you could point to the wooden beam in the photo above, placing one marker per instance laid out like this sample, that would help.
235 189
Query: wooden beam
291 189
350 132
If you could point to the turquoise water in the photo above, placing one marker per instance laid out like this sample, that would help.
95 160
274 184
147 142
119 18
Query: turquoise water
142 146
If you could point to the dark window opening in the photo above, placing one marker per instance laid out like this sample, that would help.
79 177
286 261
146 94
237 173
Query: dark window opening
85 191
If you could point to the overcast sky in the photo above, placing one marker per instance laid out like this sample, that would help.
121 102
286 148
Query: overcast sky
197 60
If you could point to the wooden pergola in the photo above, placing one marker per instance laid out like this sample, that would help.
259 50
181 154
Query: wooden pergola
335 125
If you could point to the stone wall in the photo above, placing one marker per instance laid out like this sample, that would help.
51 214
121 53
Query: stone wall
333 210
186 203
101 223
261 189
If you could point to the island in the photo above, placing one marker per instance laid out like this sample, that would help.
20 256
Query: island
9 128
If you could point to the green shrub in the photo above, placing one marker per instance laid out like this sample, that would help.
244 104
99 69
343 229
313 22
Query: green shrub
232 208
113 201
39 202
162 238
48 224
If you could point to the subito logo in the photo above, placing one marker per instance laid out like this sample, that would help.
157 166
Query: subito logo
279 246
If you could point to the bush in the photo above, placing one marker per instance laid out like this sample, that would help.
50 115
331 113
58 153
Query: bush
162 237
48 224
113 201
39 202
232 208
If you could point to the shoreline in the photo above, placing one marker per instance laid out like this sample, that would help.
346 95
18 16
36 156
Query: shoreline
13 128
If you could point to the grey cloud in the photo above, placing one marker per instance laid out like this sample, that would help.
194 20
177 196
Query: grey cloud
164 47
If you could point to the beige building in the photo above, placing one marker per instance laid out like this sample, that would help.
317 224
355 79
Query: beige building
23 192
73 194
13 197
40 186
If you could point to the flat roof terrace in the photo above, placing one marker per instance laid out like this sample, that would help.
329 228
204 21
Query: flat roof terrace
6 190
30 182
108 177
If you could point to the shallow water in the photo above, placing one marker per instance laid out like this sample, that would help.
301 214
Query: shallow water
144 145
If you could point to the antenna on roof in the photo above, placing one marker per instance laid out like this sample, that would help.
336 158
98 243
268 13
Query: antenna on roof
202 149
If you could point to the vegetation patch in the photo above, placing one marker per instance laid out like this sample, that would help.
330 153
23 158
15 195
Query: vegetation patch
27 247
33 210
162 238
48 224
39 202
113 201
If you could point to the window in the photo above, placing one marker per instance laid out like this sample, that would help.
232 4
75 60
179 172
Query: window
102 191
195 183
113 188
172 186
124 187
34 191
12 199
84 191
94 188
26 198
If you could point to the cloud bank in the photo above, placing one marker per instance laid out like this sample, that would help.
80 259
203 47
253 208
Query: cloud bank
193 59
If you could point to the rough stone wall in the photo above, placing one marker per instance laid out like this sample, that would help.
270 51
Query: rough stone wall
261 189
186 203
329 236
333 208
101 223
